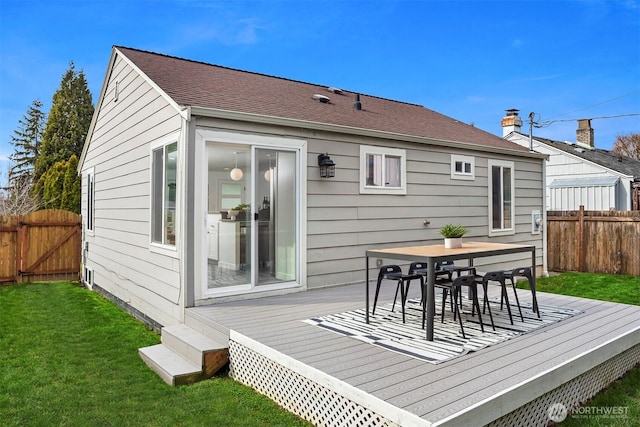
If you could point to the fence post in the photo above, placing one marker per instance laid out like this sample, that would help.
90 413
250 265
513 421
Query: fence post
20 244
581 248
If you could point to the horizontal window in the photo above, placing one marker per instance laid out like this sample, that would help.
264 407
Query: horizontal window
462 167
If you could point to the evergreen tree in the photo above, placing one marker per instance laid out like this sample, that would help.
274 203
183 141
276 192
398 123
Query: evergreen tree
52 184
61 186
71 187
26 142
67 125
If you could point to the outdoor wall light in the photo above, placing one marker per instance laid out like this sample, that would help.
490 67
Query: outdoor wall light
327 166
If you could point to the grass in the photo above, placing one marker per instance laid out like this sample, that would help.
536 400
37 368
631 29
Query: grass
625 392
604 287
70 357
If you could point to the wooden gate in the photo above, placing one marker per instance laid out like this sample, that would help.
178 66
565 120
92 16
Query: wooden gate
41 246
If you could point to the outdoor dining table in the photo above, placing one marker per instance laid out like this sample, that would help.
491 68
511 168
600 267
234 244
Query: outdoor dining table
432 254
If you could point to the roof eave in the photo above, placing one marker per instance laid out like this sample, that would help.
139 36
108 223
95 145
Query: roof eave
281 121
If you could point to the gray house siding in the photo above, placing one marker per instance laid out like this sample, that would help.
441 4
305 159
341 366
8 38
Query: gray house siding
118 251
343 224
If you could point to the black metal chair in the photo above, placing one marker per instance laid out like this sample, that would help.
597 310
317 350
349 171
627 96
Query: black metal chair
470 281
451 267
394 273
526 273
443 280
497 276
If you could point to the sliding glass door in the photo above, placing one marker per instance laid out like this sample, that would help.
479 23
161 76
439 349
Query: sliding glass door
252 217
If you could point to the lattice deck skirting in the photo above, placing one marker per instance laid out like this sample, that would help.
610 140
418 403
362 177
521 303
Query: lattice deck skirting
570 395
327 402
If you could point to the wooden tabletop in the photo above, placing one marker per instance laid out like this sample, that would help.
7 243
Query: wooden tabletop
439 250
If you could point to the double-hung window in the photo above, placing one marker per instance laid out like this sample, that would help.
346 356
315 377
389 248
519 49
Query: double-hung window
164 168
382 170
501 197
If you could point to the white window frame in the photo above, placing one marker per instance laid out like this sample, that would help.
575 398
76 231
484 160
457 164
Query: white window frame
90 205
464 160
502 164
164 246
383 151
87 276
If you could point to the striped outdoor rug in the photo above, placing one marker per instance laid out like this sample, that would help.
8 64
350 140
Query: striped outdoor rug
385 328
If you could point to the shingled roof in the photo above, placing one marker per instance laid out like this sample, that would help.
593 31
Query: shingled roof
614 161
198 84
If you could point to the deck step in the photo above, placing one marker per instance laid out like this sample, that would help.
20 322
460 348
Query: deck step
185 355
169 365
210 354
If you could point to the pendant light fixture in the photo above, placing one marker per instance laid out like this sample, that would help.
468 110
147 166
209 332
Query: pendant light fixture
236 173
267 174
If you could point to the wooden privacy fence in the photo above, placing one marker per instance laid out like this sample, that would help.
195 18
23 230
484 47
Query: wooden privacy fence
41 246
594 241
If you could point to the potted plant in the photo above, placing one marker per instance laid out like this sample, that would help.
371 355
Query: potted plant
235 211
453 235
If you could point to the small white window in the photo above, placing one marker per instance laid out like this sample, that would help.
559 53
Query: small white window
382 170
501 198
463 167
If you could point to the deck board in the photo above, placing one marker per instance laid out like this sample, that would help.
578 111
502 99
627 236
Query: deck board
433 392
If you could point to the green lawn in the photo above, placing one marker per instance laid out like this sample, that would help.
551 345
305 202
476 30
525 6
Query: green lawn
622 396
605 287
70 357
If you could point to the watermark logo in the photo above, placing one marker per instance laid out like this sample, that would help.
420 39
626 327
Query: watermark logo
610 412
557 412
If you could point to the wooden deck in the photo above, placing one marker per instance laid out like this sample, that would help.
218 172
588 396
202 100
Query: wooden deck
475 389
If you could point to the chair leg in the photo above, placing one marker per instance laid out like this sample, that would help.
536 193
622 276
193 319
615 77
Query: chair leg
455 312
444 299
403 295
533 296
476 304
485 287
375 299
513 285
395 297
505 296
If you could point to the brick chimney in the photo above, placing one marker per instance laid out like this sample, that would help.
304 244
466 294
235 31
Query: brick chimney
511 122
584 134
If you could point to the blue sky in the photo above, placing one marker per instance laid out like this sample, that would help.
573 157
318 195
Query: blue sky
471 60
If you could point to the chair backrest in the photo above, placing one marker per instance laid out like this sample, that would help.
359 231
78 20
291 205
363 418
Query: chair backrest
444 264
467 280
418 268
521 271
494 276
390 271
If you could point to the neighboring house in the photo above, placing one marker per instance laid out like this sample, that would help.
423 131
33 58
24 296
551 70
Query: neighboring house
581 174
174 144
